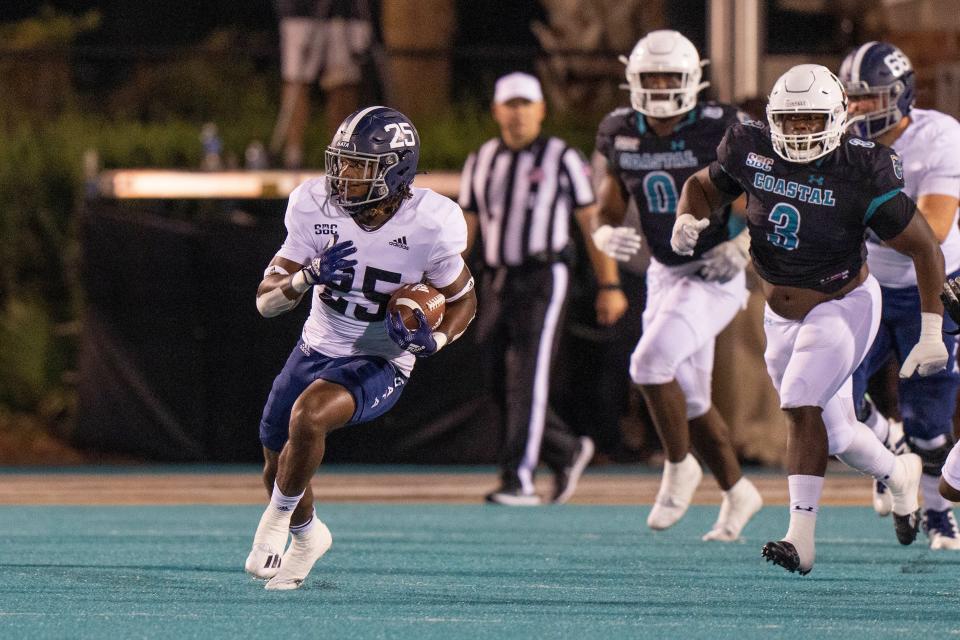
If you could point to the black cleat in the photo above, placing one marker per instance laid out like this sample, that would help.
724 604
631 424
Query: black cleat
907 527
783 553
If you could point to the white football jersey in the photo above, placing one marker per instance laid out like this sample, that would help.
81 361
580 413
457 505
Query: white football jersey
422 241
930 149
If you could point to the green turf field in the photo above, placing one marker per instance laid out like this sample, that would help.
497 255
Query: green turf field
441 571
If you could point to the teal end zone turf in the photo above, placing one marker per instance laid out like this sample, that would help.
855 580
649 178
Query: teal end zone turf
441 571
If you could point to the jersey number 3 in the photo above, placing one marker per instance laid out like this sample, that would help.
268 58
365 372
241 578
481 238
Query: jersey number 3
786 220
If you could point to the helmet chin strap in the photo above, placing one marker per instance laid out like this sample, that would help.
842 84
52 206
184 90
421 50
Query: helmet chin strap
374 215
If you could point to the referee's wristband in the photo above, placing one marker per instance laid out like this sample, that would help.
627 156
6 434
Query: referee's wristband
610 286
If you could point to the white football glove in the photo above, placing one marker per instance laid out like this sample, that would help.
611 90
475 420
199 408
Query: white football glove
727 259
620 243
686 230
929 355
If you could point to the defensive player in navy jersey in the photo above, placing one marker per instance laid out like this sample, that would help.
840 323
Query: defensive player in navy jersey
353 358
813 194
649 150
880 84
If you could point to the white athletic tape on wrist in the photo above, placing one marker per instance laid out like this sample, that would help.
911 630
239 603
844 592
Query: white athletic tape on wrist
931 326
440 338
273 303
299 282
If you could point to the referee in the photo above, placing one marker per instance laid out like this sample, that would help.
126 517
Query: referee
522 190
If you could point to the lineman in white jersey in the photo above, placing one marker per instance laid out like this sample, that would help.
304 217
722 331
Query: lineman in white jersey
880 83
353 237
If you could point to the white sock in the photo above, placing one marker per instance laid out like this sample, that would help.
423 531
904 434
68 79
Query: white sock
868 455
281 502
301 529
930 490
877 423
804 494
737 487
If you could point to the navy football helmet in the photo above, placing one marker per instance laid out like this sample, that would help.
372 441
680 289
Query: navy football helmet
879 69
373 156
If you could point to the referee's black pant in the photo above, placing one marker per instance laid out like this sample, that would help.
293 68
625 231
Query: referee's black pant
520 313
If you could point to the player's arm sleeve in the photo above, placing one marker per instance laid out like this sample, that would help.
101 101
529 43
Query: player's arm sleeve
299 245
445 262
890 215
578 171
722 169
467 199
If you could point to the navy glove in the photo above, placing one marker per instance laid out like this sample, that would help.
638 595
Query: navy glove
327 268
420 342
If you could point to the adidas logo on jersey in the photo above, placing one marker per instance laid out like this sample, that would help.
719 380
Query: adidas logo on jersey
400 242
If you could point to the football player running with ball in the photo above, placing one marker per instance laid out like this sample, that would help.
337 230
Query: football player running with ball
353 237
813 194
650 149
880 84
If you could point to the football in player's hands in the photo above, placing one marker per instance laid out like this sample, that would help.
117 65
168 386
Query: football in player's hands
421 296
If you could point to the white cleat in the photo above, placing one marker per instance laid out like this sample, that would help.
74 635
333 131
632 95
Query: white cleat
904 496
269 541
897 443
679 482
739 504
882 500
299 559
263 562
941 528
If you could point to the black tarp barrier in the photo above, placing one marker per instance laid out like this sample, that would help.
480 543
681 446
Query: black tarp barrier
175 362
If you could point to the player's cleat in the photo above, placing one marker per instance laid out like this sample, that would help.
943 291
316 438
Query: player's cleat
677 487
897 443
305 549
882 502
906 527
784 554
941 529
263 562
265 556
513 497
906 505
567 479
739 504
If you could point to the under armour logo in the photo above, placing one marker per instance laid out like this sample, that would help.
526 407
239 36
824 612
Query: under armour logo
799 508
812 179
677 145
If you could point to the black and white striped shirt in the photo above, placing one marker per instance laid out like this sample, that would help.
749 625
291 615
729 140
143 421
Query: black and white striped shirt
525 199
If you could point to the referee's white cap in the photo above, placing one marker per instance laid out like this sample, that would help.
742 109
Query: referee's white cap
517 85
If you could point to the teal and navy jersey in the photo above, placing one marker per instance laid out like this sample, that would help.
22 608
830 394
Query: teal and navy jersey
652 170
808 221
